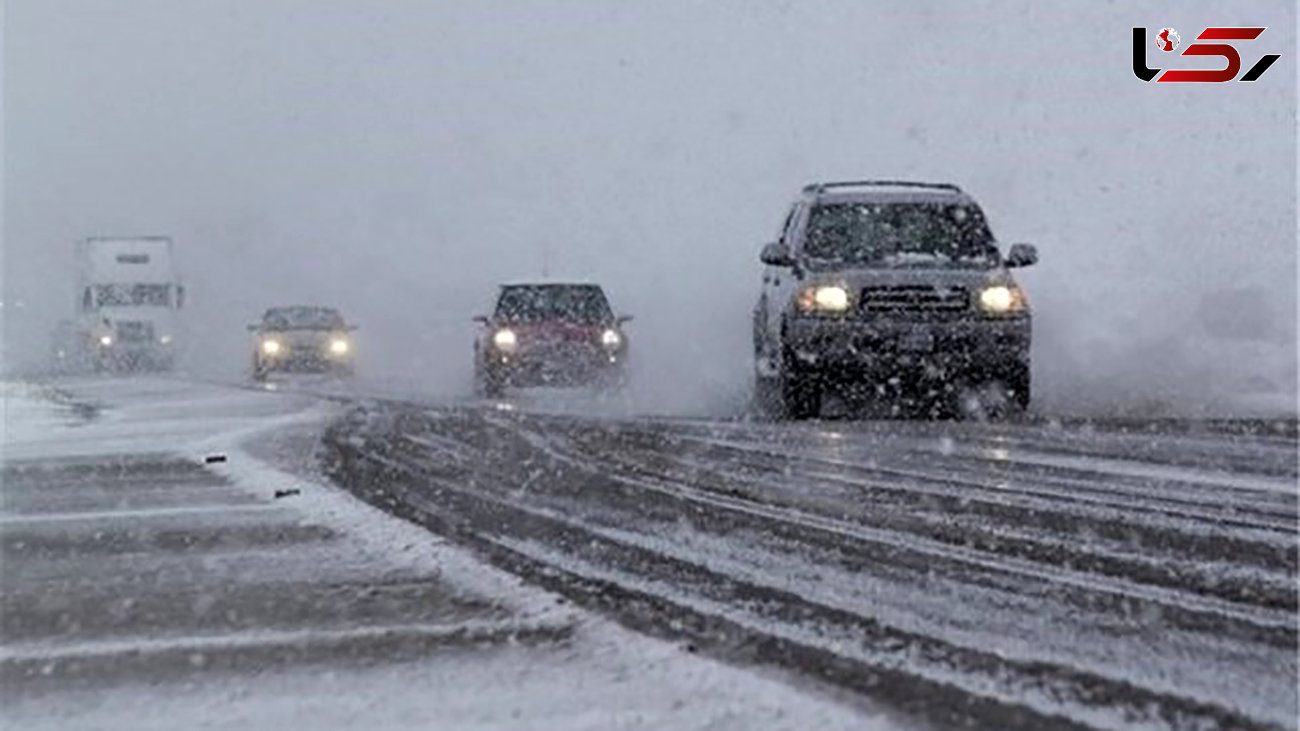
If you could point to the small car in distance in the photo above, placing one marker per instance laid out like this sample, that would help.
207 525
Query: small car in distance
550 334
302 338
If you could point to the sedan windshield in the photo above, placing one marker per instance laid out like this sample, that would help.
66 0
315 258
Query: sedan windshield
303 318
574 303
900 235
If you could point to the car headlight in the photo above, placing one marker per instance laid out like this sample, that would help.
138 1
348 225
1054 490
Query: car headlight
105 340
1001 299
611 339
165 339
505 339
823 298
270 347
339 346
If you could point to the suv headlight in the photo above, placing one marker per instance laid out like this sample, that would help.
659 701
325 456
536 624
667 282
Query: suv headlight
823 298
1002 299
505 340
270 346
339 346
611 339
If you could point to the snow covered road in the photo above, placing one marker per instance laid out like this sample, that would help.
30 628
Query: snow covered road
145 586
1005 576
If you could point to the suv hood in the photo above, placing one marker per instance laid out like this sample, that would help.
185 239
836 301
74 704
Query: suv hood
856 279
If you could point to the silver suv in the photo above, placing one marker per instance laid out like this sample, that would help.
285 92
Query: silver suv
892 288
302 338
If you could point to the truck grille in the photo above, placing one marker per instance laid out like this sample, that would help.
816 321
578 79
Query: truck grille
131 331
914 298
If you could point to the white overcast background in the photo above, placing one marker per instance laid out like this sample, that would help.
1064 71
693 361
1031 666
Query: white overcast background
398 159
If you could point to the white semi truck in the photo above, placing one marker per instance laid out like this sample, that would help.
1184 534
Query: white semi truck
129 297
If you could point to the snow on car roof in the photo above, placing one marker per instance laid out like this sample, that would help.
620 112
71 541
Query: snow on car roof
301 307
550 283
894 195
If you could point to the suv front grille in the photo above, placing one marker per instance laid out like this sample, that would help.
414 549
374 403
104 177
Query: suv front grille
134 331
914 298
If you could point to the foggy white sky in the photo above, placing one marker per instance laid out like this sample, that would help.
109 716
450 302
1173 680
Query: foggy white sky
400 158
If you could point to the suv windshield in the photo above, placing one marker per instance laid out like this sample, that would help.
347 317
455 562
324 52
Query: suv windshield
576 303
900 235
303 318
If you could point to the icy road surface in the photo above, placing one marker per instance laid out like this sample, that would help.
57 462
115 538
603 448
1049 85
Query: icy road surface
1002 576
143 587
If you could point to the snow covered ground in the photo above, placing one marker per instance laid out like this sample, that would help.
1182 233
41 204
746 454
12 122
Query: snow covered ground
102 629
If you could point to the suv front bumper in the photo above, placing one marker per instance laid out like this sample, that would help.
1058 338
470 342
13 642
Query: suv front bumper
941 348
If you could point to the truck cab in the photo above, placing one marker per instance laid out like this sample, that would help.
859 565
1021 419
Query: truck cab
129 297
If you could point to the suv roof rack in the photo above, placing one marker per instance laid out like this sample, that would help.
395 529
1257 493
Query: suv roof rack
816 188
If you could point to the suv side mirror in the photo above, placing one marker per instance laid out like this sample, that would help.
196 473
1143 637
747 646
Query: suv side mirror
777 255
254 328
480 318
622 319
1022 255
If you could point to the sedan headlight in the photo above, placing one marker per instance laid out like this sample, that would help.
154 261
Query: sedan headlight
270 347
1001 299
823 298
611 339
505 340
339 346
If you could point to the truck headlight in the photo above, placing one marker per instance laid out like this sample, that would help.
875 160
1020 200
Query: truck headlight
505 340
823 298
1001 299
611 339
339 346
106 340
270 347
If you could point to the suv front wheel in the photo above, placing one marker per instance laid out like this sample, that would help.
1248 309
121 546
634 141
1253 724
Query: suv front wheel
489 383
792 393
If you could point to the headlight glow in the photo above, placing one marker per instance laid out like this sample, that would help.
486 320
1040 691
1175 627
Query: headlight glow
611 338
824 298
1001 299
270 347
105 340
505 339
165 339
339 346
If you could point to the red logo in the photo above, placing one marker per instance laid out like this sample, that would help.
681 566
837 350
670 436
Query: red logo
1167 40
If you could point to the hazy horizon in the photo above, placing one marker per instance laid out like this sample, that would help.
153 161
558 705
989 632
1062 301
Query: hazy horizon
398 159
